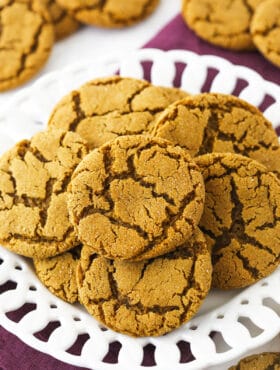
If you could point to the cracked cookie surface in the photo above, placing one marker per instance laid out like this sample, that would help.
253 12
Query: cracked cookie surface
225 23
265 30
262 361
58 274
208 123
34 177
135 198
241 219
110 13
147 298
106 108
26 39
64 24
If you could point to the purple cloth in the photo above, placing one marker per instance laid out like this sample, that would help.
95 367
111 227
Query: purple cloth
176 35
14 354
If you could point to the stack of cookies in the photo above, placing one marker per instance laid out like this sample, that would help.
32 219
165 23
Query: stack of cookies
29 29
236 24
137 197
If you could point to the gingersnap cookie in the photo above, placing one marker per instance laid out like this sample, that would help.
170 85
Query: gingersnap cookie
26 39
265 30
135 198
64 24
241 219
210 122
263 361
106 108
34 177
58 274
110 13
224 23
147 298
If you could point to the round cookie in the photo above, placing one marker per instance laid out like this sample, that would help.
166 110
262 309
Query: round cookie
208 123
265 30
136 198
225 23
263 361
34 177
58 274
110 13
64 24
26 39
106 108
147 298
241 219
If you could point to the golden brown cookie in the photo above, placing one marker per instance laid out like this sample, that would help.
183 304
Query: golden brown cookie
110 13
225 23
254 4
208 123
26 39
58 274
241 219
106 108
135 198
148 298
263 361
64 24
265 30
34 177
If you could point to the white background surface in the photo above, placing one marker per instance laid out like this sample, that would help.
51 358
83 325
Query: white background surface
92 43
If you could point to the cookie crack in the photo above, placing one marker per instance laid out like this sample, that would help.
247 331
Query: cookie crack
255 273
237 229
91 210
190 283
32 49
11 2
248 7
266 33
37 238
46 204
100 5
80 114
134 95
144 12
169 224
124 300
148 185
209 134
275 362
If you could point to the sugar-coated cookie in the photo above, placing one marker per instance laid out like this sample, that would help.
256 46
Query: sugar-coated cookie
265 30
262 361
209 122
64 24
106 108
58 274
241 219
26 40
110 13
135 198
34 177
225 23
148 298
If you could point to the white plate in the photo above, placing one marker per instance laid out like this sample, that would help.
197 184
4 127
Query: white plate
241 320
